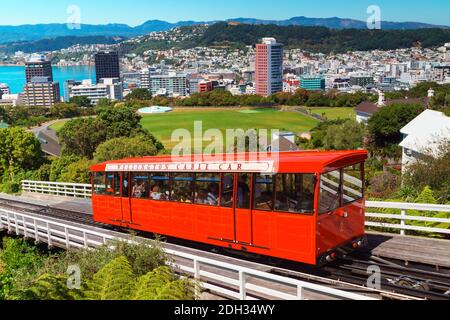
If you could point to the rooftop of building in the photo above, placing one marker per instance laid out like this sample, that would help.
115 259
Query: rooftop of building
426 132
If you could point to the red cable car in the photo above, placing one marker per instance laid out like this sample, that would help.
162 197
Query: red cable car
302 206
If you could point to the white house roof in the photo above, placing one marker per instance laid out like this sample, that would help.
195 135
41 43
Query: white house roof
426 131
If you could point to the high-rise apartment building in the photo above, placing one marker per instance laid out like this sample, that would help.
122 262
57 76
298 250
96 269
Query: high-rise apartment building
172 84
107 65
269 67
38 66
40 92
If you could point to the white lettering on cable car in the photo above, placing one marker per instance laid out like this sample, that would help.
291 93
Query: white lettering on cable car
256 166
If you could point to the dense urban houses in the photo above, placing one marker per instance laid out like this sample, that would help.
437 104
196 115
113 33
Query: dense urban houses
269 67
107 65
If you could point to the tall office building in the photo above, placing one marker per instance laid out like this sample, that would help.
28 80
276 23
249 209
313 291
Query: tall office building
107 65
41 92
269 67
312 82
37 66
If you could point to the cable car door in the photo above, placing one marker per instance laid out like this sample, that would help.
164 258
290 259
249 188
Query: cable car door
126 198
242 211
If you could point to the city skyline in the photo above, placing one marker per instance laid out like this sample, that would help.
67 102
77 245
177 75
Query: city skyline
135 12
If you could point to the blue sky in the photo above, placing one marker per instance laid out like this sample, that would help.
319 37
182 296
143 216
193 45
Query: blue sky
134 12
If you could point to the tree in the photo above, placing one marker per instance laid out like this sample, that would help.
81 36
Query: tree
346 136
81 137
64 111
4 117
81 101
140 94
320 131
19 151
59 165
431 171
77 172
124 147
120 122
385 124
17 260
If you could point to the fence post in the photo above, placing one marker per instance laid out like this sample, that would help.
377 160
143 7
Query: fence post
300 293
67 238
49 235
403 222
242 286
197 277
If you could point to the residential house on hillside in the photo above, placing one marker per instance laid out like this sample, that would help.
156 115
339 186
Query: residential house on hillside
365 110
424 135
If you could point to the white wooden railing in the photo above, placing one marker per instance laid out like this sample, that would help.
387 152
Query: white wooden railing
84 191
403 218
77 190
226 279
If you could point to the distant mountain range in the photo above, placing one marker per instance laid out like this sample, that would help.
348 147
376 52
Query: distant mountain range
47 31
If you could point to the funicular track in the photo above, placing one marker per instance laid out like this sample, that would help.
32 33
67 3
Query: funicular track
349 273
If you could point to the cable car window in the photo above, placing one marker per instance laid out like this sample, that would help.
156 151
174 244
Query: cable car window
117 184
160 186
263 192
99 183
353 183
125 185
295 193
207 188
109 184
140 186
226 198
243 192
182 188
330 191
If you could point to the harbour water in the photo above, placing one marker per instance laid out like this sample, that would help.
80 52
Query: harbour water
14 76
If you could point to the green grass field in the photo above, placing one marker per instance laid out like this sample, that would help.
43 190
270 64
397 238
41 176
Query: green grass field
335 113
58 125
163 125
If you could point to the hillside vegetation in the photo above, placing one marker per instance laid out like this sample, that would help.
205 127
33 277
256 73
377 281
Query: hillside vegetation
315 39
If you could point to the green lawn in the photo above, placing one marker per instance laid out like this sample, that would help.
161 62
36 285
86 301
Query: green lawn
163 125
335 113
58 125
